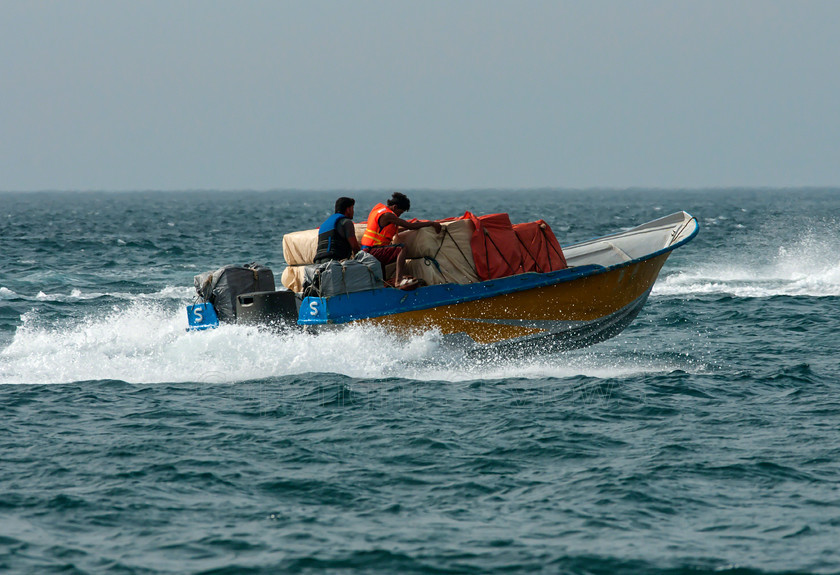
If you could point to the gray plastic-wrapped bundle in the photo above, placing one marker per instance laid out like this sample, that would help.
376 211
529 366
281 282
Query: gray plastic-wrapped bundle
221 287
362 272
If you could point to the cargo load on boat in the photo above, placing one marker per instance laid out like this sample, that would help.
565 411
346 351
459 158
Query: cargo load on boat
441 258
359 273
469 249
541 252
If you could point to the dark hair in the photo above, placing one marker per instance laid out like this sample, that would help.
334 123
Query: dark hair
343 203
401 201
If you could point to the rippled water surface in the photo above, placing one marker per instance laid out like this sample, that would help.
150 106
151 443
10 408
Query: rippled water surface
705 438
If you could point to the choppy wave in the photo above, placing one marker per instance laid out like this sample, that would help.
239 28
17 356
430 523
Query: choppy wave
702 439
78 295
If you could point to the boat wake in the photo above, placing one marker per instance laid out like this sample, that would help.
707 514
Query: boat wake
145 341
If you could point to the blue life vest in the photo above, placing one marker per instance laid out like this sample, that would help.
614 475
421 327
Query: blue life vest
332 245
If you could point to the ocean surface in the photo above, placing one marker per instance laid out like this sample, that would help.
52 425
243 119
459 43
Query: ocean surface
703 439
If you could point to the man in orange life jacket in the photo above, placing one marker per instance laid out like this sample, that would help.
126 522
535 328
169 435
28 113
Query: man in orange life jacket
337 235
382 225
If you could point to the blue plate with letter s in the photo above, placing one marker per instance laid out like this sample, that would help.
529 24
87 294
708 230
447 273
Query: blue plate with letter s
313 311
201 316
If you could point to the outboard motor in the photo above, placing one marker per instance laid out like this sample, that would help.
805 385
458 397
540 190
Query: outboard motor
218 290
274 308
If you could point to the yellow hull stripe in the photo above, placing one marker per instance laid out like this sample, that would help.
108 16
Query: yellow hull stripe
586 299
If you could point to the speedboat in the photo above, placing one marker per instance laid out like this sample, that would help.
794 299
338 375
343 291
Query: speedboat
598 289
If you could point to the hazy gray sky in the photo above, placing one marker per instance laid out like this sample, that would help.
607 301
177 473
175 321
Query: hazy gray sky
119 95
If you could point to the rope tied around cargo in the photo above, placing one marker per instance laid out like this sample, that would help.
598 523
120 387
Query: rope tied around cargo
500 252
551 248
430 260
254 267
527 251
446 232
206 289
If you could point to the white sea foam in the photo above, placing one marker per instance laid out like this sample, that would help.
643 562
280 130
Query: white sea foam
75 295
808 267
6 293
146 341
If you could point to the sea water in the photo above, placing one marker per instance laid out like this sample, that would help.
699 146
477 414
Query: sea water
703 439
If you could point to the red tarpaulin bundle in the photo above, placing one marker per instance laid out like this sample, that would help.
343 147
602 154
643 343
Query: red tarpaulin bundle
540 250
495 247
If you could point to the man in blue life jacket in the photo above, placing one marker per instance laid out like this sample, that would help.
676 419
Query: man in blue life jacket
337 235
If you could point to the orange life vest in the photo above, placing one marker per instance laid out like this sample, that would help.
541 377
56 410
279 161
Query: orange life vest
375 235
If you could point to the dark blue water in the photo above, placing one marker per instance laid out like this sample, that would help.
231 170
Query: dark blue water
703 439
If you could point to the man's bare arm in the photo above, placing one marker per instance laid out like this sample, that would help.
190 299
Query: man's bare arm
386 219
350 232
